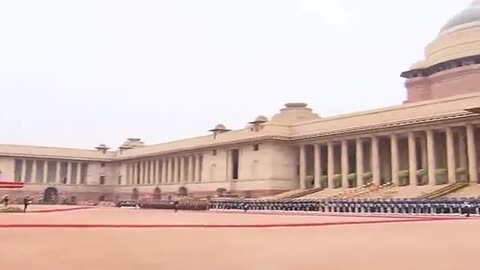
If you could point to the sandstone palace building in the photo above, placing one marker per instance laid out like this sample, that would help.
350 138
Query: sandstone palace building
432 139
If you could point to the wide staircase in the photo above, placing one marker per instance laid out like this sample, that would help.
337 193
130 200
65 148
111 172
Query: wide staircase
352 193
293 194
375 191
445 190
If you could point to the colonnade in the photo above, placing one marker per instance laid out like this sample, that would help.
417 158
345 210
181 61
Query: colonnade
417 157
176 169
50 171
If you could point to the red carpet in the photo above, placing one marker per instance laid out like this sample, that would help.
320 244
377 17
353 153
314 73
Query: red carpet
60 209
133 226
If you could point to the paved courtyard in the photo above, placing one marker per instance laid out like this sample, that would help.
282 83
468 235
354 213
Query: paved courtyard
156 239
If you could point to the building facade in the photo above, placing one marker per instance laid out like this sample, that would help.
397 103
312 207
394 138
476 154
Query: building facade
431 139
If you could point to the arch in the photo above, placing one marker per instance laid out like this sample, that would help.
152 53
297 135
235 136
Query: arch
221 192
182 191
157 193
50 195
135 194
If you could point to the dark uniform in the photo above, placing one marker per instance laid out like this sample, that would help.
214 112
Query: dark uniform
5 200
26 202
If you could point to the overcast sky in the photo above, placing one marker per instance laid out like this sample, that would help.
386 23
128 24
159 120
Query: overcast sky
81 73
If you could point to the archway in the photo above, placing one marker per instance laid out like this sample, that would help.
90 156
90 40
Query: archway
135 194
221 192
157 194
101 198
182 191
50 195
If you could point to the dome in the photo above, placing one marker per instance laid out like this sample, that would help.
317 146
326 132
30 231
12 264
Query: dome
220 127
261 118
468 15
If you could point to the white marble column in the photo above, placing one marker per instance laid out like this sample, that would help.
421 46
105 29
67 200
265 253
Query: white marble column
472 154
375 161
451 166
359 161
58 177
69 173
412 159
190 177
431 157
317 165
394 159
330 165
344 160
303 167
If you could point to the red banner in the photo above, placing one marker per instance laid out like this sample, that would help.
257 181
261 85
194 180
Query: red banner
8 184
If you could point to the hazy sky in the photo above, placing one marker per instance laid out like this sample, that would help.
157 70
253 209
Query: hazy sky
80 73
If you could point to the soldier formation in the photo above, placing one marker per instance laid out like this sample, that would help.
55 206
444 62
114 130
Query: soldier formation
386 206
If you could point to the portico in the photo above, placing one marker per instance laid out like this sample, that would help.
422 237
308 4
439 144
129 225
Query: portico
414 156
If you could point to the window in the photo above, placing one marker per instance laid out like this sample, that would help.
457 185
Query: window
102 180
214 152
119 179
256 147
102 164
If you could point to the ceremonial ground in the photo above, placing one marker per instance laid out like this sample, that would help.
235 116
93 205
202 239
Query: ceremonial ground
125 239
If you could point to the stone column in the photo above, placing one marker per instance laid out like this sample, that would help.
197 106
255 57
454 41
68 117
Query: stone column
375 162
394 159
45 171
344 159
303 167
190 177
330 165
159 171
198 168
58 177
431 157
412 159
163 177
451 166
24 171
175 169
472 155
135 173
141 172
182 169
69 173
171 170
462 151
79 172
34 171
359 161
317 165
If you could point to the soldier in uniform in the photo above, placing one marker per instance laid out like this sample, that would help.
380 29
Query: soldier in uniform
26 202
5 200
